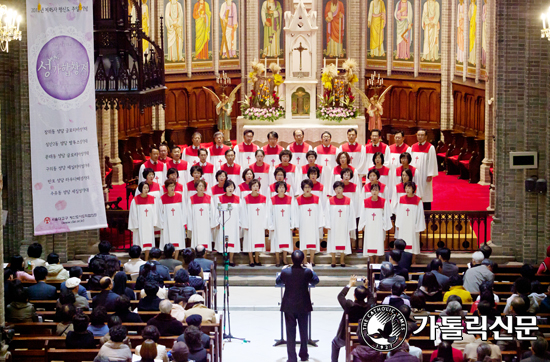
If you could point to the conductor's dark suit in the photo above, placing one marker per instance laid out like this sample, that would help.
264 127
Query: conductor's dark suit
296 305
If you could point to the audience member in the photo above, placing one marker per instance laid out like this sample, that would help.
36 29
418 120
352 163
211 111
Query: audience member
486 250
178 307
154 256
521 288
188 255
418 304
430 288
492 266
449 269
122 310
196 320
181 286
395 258
115 349
151 301
544 267
20 310
165 323
545 304
364 353
355 310
34 252
106 298
120 287
196 302
16 264
104 248
180 352
112 266
80 337
98 320
41 290
133 265
486 307
72 286
477 274
75 272
447 352
206 264
413 350
406 258
536 297
454 309
539 348
436 266
457 288
97 266
8 283
66 297
149 274
487 285
195 278
471 349
65 325
56 271
396 298
388 277
193 341
114 320
400 354
152 333
454 298
169 260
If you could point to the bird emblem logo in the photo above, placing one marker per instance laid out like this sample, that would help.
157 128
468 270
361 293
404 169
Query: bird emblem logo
383 328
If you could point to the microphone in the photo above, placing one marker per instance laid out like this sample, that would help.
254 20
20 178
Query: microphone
219 206
230 207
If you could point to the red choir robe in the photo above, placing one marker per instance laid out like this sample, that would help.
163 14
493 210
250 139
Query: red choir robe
143 219
310 220
272 155
201 219
385 174
243 190
233 219
292 175
353 191
179 188
326 156
367 193
207 173
336 177
410 222
305 168
183 171
263 174
173 217
273 190
233 173
370 150
395 178
299 153
425 161
216 190
217 156
398 191
340 222
375 220
159 168
395 153
255 222
356 153
281 222
191 190
317 190
166 160
154 190
191 155
245 154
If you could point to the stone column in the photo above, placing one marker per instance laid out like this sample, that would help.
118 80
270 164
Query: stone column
479 29
389 32
252 51
320 43
446 65
102 122
488 161
362 58
466 39
114 157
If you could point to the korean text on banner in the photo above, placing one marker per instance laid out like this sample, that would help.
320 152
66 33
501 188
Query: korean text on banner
66 179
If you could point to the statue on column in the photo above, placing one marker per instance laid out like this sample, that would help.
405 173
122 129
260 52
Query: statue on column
224 107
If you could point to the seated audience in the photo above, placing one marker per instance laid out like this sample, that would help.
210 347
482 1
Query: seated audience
133 265
98 320
449 269
471 349
487 286
41 290
112 266
544 267
538 351
477 274
122 310
545 304
430 288
97 266
161 270
454 298
169 260
395 257
72 286
106 298
454 309
80 337
457 289
447 352
8 283
34 252
115 349
75 272
406 257
418 304
363 353
206 264
400 354
396 298
104 248
486 250
113 321
536 297
193 341
180 352
388 277
120 287
20 310
56 271
181 286
196 320
188 255
436 267
149 351
16 264
65 325
151 301
152 333
486 307
195 278
196 304
413 350
178 307
521 288
165 323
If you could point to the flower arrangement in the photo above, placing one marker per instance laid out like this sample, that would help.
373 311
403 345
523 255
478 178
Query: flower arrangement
264 102
337 101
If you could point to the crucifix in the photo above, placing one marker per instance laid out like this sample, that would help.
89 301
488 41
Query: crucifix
309 211
300 49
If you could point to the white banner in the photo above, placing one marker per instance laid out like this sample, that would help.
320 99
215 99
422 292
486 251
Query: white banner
66 179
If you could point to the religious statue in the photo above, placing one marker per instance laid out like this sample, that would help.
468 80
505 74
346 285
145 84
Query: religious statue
272 16
376 23
224 107
335 19
174 30
460 32
430 25
202 16
145 23
404 22
373 107
472 13
229 22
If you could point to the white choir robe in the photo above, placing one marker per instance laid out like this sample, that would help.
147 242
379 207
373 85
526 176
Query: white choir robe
340 222
179 188
335 176
281 222
310 220
305 168
398 191
356 153
191 190
326 156
425 161
410 222
233 173
299 153
271 155
191 155
173 218
273 191
233 221
217 156
154 190
207 173
263 174
243 190
183 170
370 150
395 178
367 193
255 222
353 191
245 154
201 219
143 219
395 154
159 168
384 179
292 177
375 220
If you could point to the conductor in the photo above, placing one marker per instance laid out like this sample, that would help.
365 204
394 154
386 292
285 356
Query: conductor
296 303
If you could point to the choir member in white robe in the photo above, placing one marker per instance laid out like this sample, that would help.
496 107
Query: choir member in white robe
154 188
217 151
163 153
191 153
409 219
201 217
231 210
207 168
262 172
144 218
372 179
326 153
355 151
383 171
272 149
425 161
280 176
153 163
343 159
318 188
173 175
245 151
196 173
281 223
217 189
397 173
233 169
398 148
173 216
244 187
375 221
292 173
310 219
311 157
340 222
399 189
299 148
371 148
255 222
353 191
179 164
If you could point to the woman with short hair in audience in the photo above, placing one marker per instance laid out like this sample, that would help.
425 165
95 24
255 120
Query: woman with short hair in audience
20 310
16 264
188 256
115 349
447 353
193 341
430 288
56 271
65 297
114 320
178 307
151 301
181 286
34 252
98 320
80 337
195 279
65 325
122 310
418 304
152 333
120 287
98 270
149 351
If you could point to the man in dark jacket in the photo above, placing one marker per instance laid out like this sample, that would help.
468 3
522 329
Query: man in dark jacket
151 302
449 269
436 266
122 310
154 256
355 309
407 259
107 297
165 323
104 248
206 265
41 290
296 303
